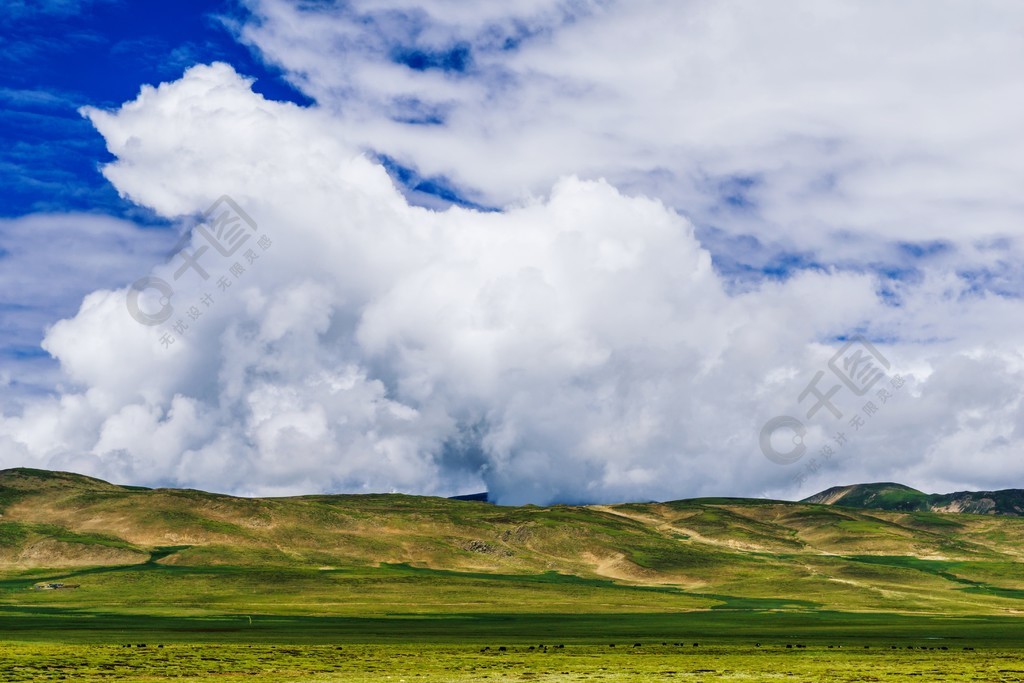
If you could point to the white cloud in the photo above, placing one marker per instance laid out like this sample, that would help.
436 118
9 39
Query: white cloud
857 126
576 347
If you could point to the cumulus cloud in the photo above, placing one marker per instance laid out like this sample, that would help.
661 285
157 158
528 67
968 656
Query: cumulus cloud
574 347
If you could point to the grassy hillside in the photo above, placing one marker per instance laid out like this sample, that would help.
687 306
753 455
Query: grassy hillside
377 554
186 585
889 496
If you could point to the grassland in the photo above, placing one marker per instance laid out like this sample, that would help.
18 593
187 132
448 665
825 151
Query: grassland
435 662
332 588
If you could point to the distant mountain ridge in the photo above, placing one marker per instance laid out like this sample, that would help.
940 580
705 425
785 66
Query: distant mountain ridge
483 497
900 498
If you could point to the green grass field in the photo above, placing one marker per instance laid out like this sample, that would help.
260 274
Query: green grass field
229 623
436 662
360 588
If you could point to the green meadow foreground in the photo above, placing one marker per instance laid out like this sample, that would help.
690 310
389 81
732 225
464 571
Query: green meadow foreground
445 662
187 585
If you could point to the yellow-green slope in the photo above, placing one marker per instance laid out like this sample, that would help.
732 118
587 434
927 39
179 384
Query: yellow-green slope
702 551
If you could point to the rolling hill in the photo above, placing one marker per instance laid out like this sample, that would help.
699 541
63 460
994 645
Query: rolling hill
889 496
352 553
100 581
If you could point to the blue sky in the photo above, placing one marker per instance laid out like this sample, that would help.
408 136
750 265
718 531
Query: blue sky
59 56
515 245
65 54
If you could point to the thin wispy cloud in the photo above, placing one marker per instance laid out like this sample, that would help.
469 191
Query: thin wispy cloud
816 127
48 263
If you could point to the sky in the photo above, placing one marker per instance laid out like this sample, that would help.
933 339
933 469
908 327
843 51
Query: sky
563 251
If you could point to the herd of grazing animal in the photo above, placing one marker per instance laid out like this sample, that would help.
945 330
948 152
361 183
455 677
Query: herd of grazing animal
788 646
544 648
